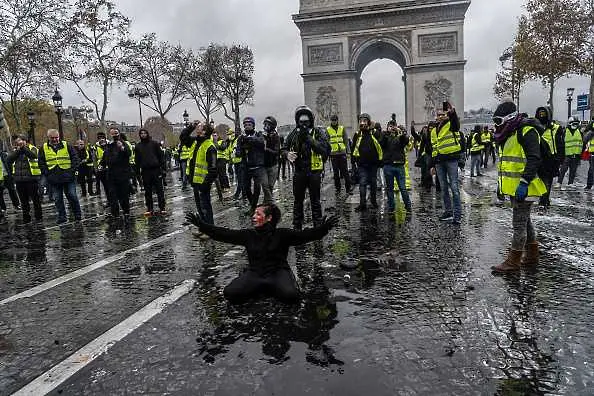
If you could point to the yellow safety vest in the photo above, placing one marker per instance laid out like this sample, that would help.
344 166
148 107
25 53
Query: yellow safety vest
99 153
201 165
1 171
512 162
378 148
336 139
61 159
573 142
591 144
185 152
132 154
33 164
232 147
222 153
445 141
549 136
475 146
485 137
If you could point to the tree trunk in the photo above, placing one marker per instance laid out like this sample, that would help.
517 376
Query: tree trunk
104 107
551 92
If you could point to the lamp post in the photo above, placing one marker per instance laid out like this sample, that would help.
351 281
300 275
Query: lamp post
186 118
31 118
507 55
570 92
57 98
135 92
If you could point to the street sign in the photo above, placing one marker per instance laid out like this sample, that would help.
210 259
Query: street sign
583 102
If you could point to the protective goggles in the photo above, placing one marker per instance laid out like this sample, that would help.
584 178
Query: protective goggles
498 121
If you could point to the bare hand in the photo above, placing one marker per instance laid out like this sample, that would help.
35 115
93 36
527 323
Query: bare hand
433 172
291 156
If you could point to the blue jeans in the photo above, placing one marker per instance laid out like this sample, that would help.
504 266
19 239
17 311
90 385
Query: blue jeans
367 176
447 173
203 203
475 163
182 168
396 172
70 190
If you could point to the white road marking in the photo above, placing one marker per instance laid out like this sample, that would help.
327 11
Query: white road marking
55 376
99 264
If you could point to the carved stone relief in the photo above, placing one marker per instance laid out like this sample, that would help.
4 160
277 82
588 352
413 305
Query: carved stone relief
438 44
326 104
437 91
325 54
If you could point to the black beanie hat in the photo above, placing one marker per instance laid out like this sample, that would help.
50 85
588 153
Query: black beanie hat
505 108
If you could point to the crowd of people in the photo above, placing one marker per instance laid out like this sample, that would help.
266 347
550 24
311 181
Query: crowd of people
530 153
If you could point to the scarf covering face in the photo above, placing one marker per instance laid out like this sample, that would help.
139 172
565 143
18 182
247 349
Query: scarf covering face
503 131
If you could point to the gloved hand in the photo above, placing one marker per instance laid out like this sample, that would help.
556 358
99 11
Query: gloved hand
195 218
521 192
330 222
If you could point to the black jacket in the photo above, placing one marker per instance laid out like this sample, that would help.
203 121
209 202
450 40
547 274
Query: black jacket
20 159
368 154
149 155
267 246
530 142
117 161
303 142
211 155
251 149
272 151
58 175
394 148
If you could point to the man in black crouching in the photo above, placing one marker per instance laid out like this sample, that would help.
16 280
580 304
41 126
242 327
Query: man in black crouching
267 247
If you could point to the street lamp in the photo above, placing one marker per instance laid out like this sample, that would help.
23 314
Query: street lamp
570 92
138 93
31 118
507 55
57 98
186 118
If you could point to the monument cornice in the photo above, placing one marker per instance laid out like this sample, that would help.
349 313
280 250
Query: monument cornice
410 7
328 75
424 67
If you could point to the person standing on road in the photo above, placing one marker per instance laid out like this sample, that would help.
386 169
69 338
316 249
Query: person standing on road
394 148
447 148
222 161
267 247
150 159
339 144
3 174
487 144
116 161
589 146
184 155
271 156
202 165
368 155
251 149
238 168
9 183
519 160
553 135
307 147
100 173
58 161
476 150
26 173
573 142
85 170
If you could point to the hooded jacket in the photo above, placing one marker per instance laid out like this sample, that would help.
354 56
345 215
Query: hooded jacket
20 158
188 140
304 141
250 147
149 155
117 161
548 124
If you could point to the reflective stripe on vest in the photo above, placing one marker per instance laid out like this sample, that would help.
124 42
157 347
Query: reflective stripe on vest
33 164
185 152
573 142
486 137
232 151
512 162
132 154
1 171
201 165
549 136
222 153
61 159
336 139
88 161
445 141
378 148
475 146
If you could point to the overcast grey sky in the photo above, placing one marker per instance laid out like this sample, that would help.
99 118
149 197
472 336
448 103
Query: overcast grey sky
266 26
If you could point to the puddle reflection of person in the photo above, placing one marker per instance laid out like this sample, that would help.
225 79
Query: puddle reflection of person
267 246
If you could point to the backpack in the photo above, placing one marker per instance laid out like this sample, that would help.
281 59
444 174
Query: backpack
549 164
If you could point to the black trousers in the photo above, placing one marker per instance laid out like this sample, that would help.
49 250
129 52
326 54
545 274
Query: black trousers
118 192
255 174
2 202
279 284
29 191
152 179
222 173
341 171
9 185
310 181
572 164
85 179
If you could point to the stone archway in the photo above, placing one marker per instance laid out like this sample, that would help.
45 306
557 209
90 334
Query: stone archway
341 37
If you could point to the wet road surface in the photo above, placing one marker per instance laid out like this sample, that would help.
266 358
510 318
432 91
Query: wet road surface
420 314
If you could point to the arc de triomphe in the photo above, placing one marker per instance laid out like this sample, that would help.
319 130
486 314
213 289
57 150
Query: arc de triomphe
341 37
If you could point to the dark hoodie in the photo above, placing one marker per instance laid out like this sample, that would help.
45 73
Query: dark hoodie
149 154
530 142
304 141
547 126
267 246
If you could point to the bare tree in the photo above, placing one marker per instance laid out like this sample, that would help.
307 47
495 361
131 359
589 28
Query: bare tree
96 44
511 78
548 44
236 81
161 70
200 84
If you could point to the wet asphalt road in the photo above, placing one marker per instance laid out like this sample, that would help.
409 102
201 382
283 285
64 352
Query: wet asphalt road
421 314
